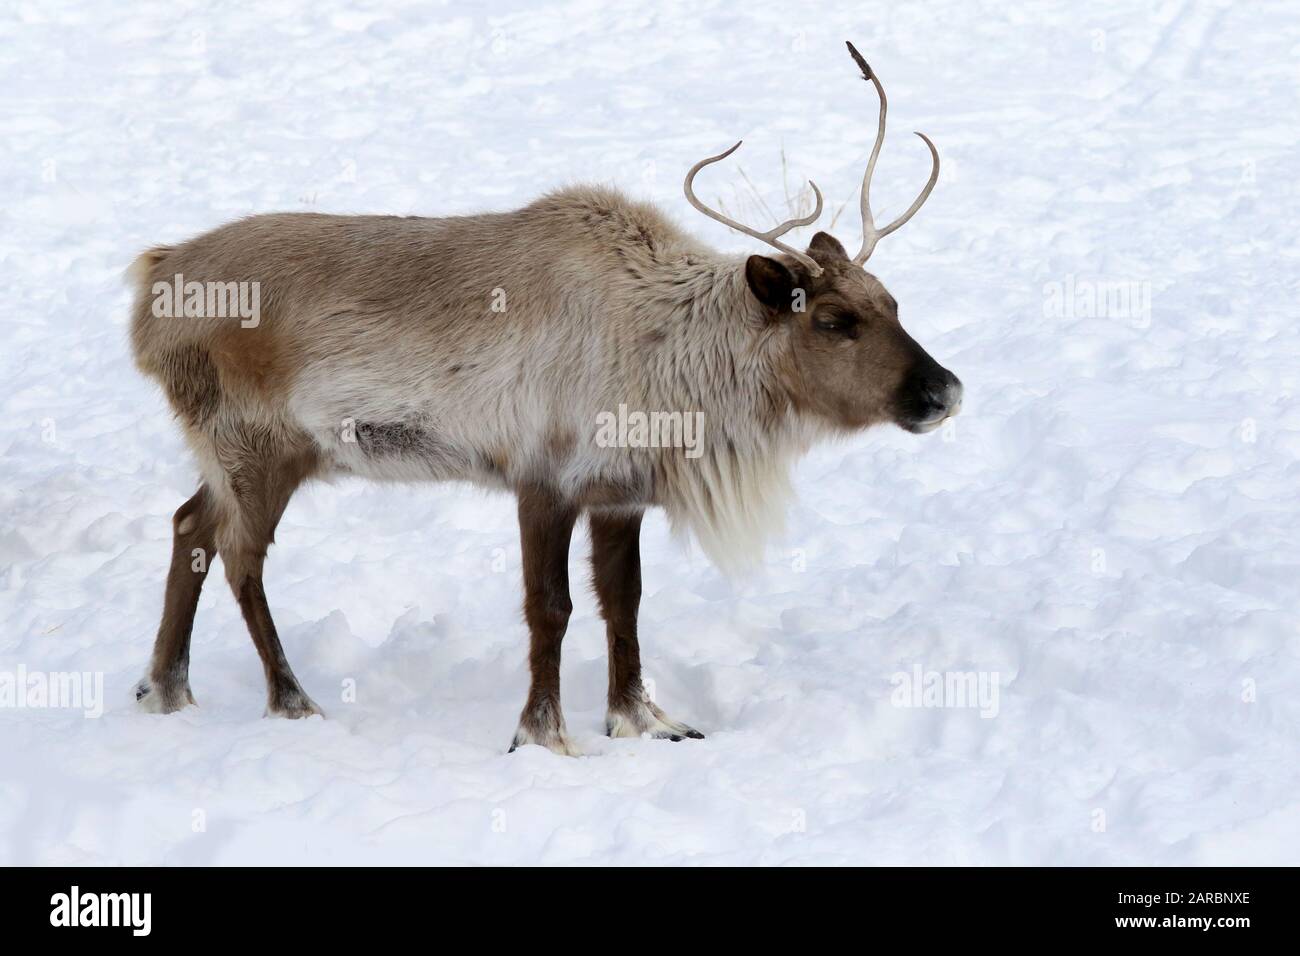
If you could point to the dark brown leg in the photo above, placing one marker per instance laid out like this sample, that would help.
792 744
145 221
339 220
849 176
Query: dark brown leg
616 575
167 686
545 530
259 493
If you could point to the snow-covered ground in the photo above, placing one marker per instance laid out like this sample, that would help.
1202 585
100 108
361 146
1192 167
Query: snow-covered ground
1108 537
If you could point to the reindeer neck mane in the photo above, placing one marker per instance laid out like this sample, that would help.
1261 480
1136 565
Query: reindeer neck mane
723 358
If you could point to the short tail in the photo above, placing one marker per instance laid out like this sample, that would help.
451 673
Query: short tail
139 275
139 271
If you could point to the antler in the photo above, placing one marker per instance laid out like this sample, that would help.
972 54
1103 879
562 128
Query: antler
771 236
870 234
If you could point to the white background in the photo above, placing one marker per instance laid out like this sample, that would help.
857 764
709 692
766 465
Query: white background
1110 528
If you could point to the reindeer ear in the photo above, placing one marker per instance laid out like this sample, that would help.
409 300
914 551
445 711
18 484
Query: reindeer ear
771 281
826 246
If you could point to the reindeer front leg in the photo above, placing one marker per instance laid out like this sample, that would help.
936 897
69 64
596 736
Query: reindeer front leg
616 574
545 528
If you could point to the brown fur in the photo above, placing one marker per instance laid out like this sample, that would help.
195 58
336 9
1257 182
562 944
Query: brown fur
616 578
382 349
379 351
545 527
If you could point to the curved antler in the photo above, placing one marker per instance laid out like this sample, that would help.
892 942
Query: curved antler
771 236
870 234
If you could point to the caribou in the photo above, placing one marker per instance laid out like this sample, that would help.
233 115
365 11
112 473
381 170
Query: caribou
489 349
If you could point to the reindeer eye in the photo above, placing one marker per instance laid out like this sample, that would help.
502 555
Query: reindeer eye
837 322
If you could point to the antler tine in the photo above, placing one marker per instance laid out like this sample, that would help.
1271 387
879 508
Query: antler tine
771 236
870 234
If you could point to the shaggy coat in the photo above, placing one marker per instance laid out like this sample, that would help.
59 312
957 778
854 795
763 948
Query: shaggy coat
495 349
484 349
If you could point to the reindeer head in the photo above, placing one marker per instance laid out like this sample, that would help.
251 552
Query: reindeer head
851 363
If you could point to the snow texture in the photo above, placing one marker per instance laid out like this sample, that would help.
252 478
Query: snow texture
1107 534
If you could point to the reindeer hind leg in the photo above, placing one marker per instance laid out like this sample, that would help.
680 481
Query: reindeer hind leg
166 687
262 470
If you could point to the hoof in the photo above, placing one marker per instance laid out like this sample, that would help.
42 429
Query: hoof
555 743
641 717
290 702
162 697
543 725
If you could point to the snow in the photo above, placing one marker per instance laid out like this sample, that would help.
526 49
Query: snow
1108 531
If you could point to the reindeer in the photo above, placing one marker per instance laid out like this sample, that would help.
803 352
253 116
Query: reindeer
483 349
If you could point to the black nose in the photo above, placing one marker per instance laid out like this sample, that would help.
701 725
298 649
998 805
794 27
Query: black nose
935 395
943 392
